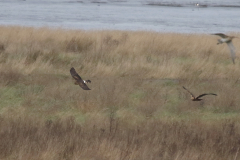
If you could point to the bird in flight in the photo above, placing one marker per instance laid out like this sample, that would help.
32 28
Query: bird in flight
79 81
228 40
193 98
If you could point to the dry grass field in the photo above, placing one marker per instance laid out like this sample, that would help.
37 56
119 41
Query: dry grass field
136 109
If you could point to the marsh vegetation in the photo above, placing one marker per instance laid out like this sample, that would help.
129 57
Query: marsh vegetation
136 108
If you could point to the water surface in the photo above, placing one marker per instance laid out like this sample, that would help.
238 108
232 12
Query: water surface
182 16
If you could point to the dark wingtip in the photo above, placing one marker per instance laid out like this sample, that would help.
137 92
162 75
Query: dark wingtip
214 94
85 88
215 33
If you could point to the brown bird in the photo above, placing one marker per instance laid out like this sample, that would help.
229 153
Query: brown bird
193 98
228 40
79 81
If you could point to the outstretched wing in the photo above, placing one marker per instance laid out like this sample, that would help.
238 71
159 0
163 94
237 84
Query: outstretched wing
75 75
78 79
221 35
188 91
232 51
205 95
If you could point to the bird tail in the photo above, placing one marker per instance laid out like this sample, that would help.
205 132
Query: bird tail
88 81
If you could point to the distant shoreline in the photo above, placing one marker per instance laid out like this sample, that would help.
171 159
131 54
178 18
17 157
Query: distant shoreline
160 16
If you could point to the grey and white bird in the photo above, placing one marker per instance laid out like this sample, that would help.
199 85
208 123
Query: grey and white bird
227 39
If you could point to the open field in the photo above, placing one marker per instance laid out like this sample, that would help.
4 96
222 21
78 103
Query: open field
136 110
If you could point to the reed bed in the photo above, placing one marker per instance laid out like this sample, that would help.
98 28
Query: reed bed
136 109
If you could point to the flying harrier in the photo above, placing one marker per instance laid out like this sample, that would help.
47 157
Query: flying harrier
228 40
79 81
193 98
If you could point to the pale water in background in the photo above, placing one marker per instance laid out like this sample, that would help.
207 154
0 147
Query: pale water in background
182 16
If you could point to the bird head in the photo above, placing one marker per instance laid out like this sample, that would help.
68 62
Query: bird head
192 98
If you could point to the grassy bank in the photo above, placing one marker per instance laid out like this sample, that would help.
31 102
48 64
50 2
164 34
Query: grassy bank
136 109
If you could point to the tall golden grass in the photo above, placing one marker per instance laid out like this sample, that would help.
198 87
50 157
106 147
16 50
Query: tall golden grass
136 109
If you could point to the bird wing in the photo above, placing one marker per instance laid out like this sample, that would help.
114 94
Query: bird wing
78 79
205 95
75 75
232 51
221 35
83 86
188 91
